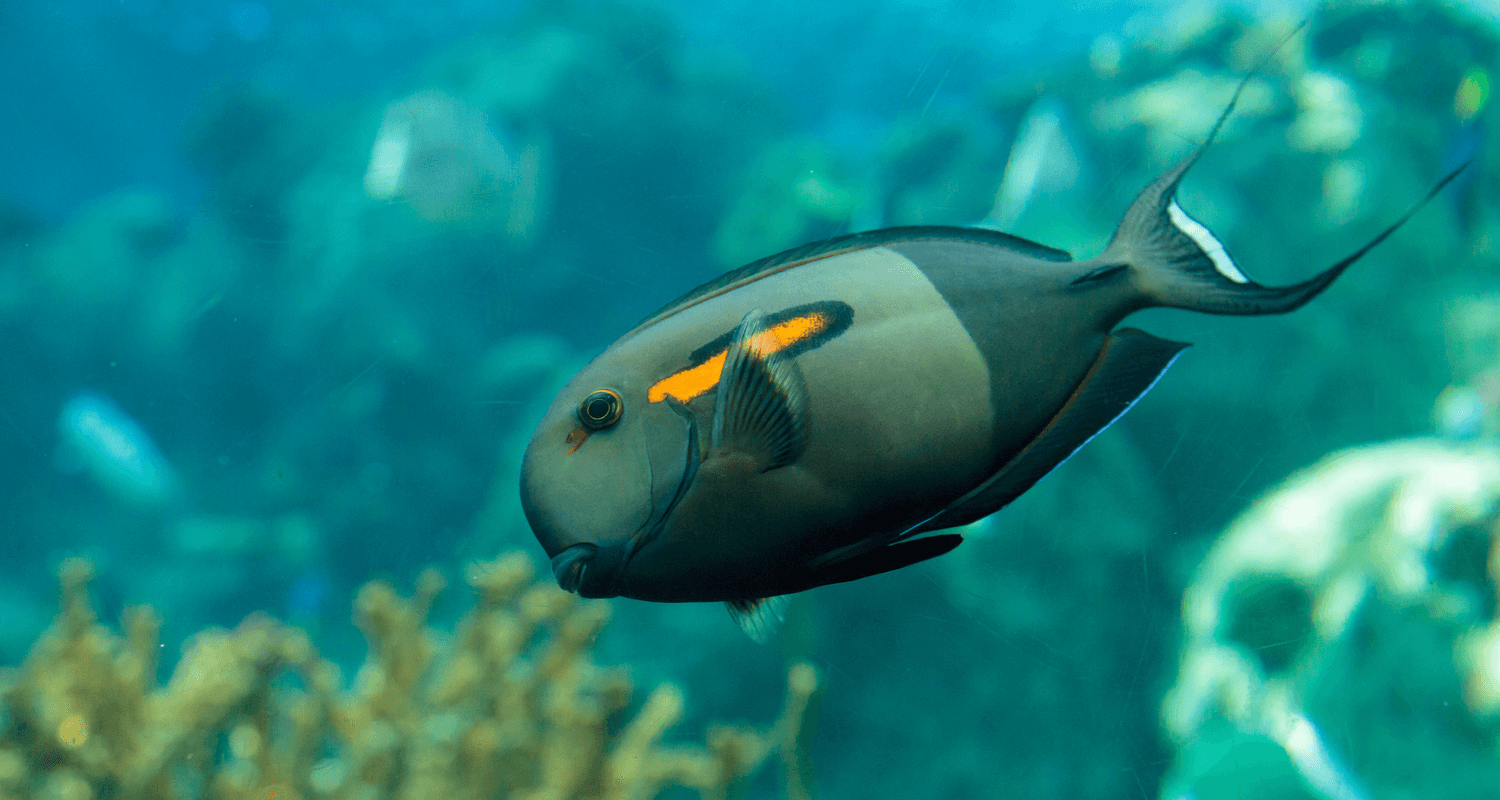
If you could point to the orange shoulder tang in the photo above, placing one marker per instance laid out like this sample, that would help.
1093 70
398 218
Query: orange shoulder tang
793 331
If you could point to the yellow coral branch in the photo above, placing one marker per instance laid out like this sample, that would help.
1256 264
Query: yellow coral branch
510 704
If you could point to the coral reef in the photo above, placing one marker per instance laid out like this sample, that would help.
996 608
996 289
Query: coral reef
1374 571
328 365
509 704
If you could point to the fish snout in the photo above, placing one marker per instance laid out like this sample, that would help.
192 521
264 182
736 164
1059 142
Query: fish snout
570 565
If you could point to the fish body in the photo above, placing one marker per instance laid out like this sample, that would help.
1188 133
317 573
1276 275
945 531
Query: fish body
956 356
823 414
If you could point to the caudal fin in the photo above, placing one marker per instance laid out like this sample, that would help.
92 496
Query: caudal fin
1176 261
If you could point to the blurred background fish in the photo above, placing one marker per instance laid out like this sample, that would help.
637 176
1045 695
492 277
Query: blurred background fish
447 160
1044 159
101 440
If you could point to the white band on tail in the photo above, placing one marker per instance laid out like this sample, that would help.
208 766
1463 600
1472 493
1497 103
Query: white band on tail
1205 239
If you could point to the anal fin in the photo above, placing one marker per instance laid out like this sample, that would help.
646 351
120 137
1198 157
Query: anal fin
761 405
1131 362
887 558
759 618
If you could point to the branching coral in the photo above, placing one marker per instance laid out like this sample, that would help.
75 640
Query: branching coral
510 705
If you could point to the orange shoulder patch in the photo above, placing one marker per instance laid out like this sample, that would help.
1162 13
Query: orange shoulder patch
797 329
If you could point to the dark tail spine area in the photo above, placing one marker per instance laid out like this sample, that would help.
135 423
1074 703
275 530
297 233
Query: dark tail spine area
1176 261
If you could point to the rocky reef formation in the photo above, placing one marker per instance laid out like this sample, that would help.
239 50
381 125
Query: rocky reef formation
1340 638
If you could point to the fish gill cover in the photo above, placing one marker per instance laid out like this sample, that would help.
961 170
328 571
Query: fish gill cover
321 308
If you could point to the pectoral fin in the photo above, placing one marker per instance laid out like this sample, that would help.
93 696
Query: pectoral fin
761 406
759 618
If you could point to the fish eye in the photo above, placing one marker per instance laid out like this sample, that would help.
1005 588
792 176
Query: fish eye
601 409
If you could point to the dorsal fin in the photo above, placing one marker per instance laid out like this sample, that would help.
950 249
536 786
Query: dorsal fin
1130 364
814 251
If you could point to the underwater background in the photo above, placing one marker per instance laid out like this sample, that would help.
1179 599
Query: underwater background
285 287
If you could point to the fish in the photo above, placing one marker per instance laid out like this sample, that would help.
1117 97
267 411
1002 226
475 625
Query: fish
450 162
1042 160
99 437
834 411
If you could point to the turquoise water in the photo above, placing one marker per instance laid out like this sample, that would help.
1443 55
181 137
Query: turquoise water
284 290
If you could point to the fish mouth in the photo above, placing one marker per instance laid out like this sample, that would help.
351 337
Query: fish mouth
570 566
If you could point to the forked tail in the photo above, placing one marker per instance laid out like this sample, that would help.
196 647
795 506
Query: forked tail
1175 261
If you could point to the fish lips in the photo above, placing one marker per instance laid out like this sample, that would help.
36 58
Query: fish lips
590 571
572 564
580 570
